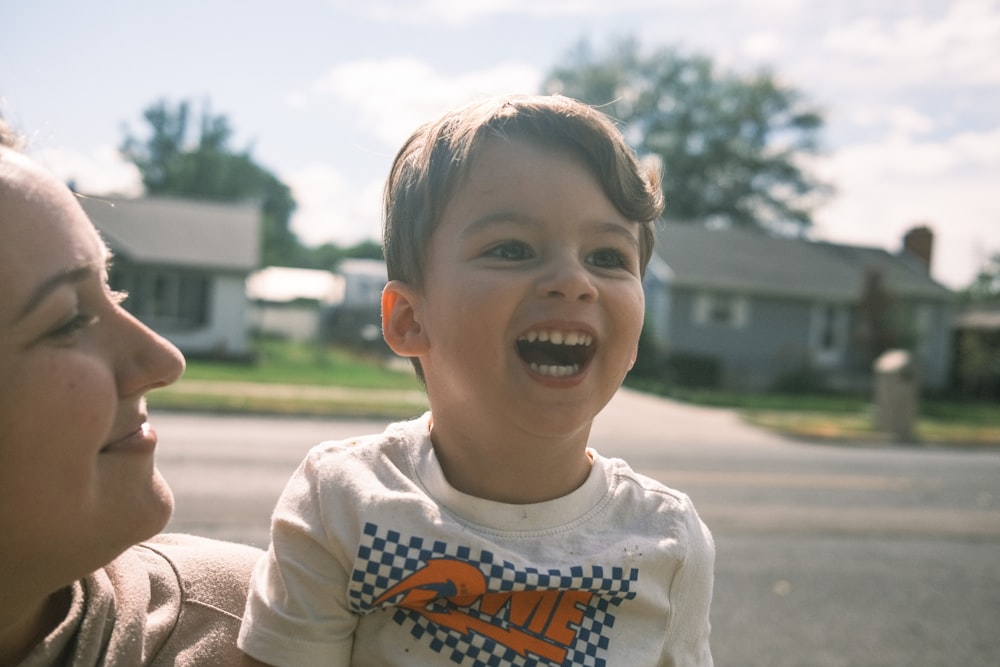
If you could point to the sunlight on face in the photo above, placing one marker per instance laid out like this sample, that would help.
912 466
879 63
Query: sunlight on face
77 481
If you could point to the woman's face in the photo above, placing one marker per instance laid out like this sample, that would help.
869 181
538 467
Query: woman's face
77 481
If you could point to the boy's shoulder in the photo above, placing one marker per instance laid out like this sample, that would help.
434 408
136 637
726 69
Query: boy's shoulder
395 450
630 487
397 435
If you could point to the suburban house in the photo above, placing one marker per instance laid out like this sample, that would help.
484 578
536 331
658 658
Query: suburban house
288 302
747 311
313 304
977 350
358 318
184 264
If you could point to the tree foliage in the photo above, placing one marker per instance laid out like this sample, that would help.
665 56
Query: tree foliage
175 159
876 329
732 146
986 285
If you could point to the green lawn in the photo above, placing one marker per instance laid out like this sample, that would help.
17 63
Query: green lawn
298 379
289 378
293 363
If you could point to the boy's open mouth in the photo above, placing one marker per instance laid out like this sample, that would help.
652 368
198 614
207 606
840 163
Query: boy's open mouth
556 353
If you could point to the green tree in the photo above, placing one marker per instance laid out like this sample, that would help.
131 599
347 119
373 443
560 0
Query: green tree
875 325
173 161
731 145
986 285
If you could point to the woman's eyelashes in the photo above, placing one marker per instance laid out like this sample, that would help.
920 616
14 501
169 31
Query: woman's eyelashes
80 320
69 330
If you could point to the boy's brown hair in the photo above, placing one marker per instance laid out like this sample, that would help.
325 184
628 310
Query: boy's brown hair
436 158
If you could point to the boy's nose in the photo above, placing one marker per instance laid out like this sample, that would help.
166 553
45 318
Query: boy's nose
146 360
568 280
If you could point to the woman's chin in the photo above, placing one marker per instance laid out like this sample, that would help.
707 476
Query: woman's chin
164 501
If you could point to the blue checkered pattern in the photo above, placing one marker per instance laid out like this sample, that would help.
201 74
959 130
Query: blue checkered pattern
385 558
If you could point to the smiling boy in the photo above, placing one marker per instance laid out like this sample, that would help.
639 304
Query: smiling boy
486 532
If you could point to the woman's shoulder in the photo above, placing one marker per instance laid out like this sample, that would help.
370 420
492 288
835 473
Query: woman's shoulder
203 565
198 587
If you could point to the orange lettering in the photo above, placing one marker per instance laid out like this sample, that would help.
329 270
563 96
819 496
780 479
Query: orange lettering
538 621
570 611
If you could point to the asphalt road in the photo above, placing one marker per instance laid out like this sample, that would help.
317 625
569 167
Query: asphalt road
828 555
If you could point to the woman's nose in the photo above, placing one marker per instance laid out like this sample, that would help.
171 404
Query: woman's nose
567 278
146 360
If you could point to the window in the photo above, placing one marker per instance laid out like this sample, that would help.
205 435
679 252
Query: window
828 334
720 309
827 328
167 300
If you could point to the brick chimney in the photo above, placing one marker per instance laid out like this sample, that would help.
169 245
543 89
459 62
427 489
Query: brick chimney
919 242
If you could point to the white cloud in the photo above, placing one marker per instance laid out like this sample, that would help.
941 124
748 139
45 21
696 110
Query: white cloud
330 210
394 96
960 47
102 172
764 45
464 12
884 188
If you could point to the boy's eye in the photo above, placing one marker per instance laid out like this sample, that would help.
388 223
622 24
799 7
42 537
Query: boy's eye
510 250
609 258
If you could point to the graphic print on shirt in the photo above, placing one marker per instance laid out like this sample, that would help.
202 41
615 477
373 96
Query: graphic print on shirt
480 611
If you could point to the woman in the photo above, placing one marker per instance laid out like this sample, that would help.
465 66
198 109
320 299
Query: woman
78 488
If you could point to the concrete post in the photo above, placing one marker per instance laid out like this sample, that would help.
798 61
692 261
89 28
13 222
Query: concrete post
896 395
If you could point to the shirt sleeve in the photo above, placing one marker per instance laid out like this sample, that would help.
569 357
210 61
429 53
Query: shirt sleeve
689 625
297 611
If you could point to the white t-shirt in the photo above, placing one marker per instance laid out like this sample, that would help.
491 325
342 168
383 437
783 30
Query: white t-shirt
376 560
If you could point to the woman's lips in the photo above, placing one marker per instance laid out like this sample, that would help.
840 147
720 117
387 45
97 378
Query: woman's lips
141 440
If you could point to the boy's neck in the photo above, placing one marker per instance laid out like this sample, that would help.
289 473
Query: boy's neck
511 468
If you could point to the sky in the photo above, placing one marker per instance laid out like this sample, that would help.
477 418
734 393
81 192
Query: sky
325 91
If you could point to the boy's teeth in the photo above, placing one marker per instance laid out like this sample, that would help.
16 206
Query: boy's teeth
558 337
555 371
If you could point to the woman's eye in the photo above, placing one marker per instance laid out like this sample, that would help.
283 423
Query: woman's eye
510 250
609 258
76 324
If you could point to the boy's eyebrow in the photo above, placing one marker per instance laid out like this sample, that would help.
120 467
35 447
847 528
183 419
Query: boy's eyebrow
523 220
480 224
621 230
71 276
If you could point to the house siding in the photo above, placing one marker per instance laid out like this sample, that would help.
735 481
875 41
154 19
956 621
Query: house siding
225 332
778 337
772 339
764 307
933 348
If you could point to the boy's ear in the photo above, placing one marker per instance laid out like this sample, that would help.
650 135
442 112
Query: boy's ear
401 326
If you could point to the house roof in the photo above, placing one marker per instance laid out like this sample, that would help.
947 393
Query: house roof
178 232
742 260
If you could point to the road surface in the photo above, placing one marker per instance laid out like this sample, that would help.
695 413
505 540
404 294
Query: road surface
828 555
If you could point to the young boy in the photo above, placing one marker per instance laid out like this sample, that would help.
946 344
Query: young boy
487 532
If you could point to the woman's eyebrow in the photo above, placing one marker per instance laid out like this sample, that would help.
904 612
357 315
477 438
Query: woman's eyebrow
70 277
